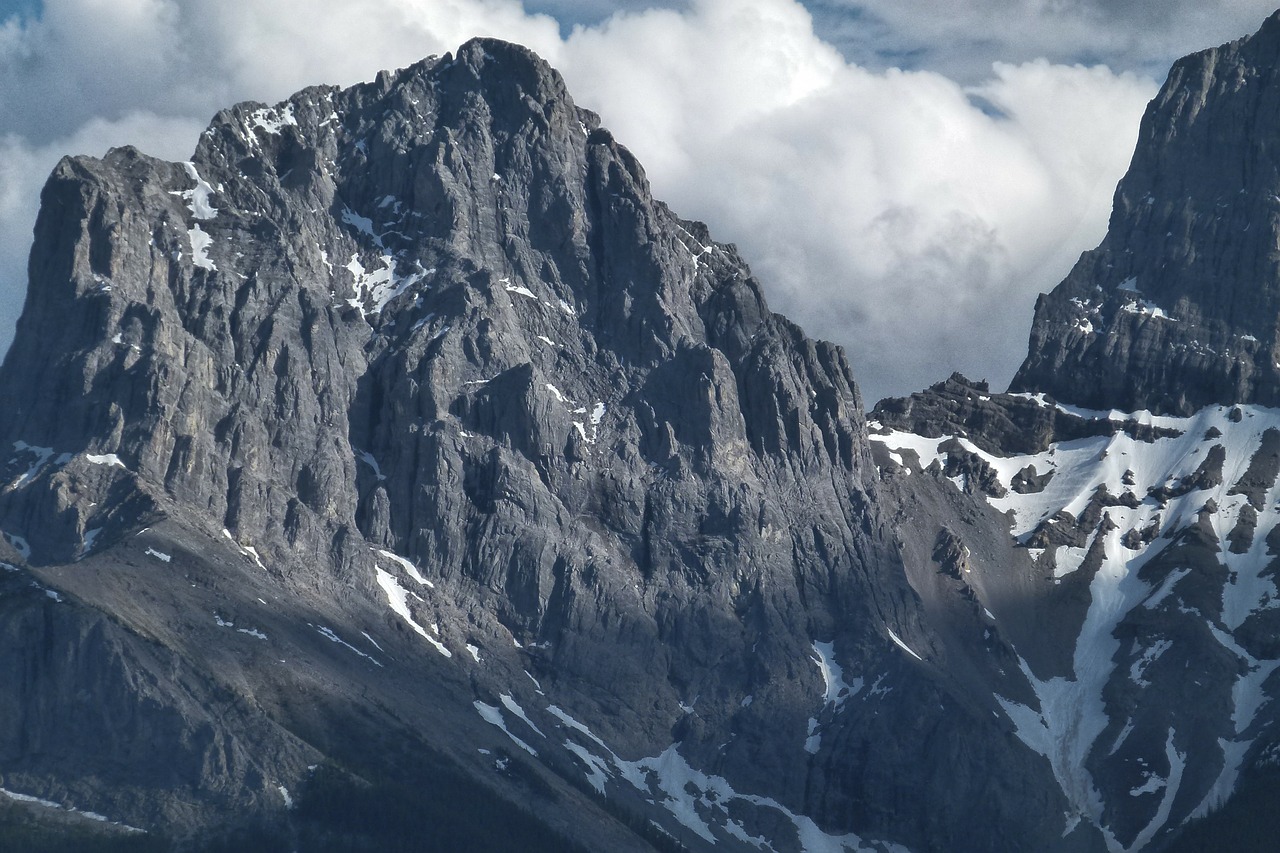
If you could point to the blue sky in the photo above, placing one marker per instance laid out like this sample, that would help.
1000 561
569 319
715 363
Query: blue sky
13 7
904 182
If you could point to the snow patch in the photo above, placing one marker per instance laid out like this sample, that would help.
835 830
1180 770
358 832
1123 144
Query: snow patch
813 741
597 771
898 642
363 224
410 569
272 119
330 635
198 199
694 799
109 459
492 715
514 707
380 286
42 456
836 689
398 599
90 537
18 544
50 804
520 289
367 458
252 553
1149 656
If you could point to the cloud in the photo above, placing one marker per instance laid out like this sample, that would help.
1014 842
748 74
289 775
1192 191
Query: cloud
964 42
901 214
897 213
86 59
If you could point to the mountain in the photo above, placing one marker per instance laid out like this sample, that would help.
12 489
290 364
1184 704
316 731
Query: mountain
1136 460
1176 309
403 429
398 473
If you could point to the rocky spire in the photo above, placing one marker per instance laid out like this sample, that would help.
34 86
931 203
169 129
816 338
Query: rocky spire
1179 307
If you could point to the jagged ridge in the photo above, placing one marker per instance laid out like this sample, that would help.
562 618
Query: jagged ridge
423 360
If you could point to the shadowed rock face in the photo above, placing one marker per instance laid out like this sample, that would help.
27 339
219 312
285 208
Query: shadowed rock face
424 361
1177 308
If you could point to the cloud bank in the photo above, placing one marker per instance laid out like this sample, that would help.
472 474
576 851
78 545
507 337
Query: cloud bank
1134 35
901 214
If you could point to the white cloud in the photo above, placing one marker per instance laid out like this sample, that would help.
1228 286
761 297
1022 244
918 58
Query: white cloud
971 34
883 210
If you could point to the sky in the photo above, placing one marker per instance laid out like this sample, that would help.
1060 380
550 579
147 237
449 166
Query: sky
903 182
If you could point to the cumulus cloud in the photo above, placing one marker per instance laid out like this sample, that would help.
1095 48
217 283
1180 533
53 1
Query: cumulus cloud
897 213
86 59
964 42
904 215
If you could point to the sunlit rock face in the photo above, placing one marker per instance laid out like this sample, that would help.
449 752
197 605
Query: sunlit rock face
415 388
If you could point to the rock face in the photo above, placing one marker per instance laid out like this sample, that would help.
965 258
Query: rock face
399 468
406 419
1127 565
1177 308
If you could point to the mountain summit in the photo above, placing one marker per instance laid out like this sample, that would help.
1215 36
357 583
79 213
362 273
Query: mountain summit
1177 309
410 400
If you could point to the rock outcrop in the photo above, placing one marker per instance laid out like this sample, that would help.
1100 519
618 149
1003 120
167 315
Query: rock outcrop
1136 463
407 415
1177 308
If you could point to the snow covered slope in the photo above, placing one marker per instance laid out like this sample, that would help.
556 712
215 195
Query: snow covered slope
1170 541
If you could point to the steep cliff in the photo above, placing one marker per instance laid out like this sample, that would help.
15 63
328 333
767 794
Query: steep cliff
1177 308
1136 465
405 416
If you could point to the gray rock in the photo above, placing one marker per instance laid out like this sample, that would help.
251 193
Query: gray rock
1177 308
440 315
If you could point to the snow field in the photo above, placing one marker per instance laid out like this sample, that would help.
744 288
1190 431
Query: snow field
1072 714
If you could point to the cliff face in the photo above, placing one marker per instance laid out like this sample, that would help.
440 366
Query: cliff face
1177 308
406 408
1128 560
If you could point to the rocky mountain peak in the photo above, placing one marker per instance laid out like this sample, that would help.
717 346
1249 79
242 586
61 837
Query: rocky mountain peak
423 360
1177 308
